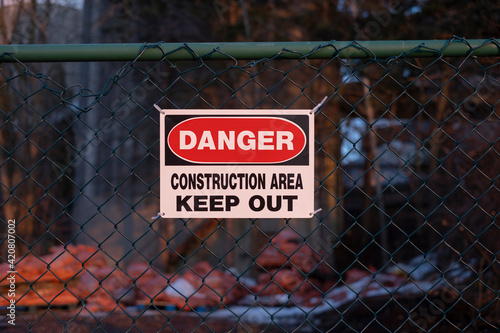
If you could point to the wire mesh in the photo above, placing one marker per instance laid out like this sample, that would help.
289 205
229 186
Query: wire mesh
407 160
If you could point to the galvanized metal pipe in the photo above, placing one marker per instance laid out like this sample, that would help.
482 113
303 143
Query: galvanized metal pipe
247 51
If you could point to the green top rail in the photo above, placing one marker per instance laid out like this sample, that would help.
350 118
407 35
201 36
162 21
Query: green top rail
454 47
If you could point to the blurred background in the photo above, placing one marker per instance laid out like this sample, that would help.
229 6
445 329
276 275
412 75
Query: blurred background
92 176
406 150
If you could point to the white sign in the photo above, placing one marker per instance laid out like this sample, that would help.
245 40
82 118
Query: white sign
236 163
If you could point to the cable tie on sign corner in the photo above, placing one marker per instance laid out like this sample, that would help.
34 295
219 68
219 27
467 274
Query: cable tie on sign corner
159 109
317 107
316 211
160 214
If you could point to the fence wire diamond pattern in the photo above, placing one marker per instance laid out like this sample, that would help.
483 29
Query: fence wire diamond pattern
407 159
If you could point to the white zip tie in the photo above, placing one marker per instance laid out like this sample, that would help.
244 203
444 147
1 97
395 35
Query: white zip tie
316 211
160 214
158 108
316 108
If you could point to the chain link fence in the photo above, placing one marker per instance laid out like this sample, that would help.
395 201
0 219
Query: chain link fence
407 163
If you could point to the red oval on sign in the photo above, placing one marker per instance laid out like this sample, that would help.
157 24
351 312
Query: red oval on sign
236 140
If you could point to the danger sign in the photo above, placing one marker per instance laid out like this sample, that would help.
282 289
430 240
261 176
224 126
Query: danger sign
236 163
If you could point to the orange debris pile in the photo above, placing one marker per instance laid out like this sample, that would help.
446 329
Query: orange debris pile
291 267
79 274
